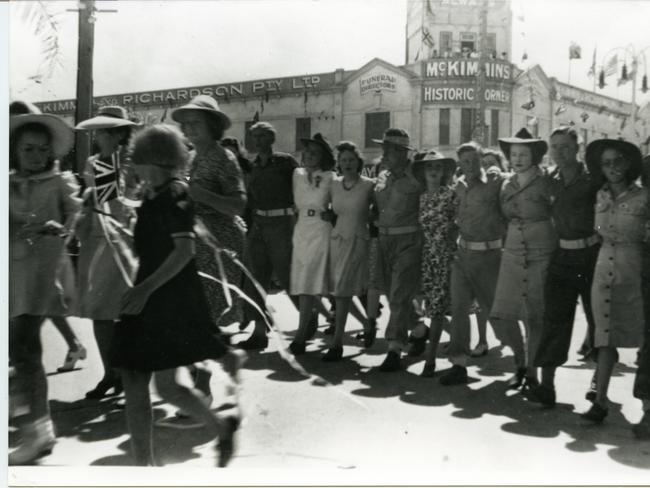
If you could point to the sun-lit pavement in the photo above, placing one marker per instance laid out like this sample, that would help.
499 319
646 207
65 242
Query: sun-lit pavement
358 425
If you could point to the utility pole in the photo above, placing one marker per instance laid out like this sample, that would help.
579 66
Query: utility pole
480 134
84 104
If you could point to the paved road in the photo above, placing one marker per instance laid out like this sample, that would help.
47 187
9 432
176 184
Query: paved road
358 425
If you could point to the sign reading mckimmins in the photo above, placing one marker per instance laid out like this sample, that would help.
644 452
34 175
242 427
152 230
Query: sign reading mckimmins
465 68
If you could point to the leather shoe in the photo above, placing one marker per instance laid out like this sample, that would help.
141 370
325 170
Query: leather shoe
418 345
457 375
333 354
595 414
101 390
391 362
254 343
297 348
330 330
517 379
429 370
541 394
479 350
642 429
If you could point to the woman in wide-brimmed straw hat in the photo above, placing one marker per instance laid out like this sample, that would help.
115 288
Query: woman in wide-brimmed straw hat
621 218
530 241
217 188
311 235
105 267
438 208
42 205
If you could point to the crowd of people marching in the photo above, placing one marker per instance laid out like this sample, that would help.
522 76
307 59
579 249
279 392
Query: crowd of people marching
170 235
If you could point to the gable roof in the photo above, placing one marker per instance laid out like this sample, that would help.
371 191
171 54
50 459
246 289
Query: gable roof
407 73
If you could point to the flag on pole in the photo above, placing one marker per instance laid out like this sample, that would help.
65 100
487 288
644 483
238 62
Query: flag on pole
426 37
560 109
610 67
430 9
106 174
592 68
574 51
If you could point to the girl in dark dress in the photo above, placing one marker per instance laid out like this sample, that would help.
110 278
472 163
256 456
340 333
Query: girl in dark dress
165 321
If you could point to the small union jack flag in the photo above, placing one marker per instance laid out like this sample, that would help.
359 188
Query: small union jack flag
106 179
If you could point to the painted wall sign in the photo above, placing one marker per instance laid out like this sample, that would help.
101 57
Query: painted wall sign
466 68
378 82
223 92
462 94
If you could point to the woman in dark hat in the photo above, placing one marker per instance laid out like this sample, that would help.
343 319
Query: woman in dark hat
105 265
438 208
42 206
217 189
312 184
622 216
530 241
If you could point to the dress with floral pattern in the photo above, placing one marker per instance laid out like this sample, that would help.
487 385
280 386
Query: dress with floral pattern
218 172
437 215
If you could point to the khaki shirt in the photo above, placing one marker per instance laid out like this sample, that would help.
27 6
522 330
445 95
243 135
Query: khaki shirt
479 212
398 198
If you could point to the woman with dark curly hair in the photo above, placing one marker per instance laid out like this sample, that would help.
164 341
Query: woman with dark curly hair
622 216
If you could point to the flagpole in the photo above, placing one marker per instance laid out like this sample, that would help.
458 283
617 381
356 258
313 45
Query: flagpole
569 80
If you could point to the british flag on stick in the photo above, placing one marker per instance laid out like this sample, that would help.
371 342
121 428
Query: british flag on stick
106 175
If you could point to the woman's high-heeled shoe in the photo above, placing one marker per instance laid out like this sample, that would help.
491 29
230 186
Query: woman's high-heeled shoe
101 390
596 413
71 359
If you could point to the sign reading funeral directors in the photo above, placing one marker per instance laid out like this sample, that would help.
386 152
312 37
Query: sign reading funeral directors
454 81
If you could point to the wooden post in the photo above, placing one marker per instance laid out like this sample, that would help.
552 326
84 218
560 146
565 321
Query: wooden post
84 103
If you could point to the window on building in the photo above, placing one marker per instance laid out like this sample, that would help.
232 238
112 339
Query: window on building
467 43
494 127
491 46
585 136
376 125
443 127
303 130
467 116
248 140
445 43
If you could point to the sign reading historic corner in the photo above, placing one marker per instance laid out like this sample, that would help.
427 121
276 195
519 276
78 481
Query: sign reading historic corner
378 82
462 94
225 91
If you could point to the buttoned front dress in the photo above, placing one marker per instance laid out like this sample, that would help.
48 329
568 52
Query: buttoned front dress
311 235
616 292
530 242
350 237
40 271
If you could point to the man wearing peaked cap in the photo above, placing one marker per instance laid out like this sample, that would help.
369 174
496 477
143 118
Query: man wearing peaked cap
400 241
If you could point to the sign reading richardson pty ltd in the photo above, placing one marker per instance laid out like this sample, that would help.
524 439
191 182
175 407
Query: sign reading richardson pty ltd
223 92
466 68
378 82
461 94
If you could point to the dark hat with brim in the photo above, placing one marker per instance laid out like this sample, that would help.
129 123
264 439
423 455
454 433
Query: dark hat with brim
108 117
61 133
595 149
538 146
320 141
205 104
396 137
421 159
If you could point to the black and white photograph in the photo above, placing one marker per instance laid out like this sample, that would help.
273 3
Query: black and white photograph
327 242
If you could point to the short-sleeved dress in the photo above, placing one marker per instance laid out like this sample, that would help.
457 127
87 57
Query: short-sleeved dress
174 328
616 299
100 282
350 237
530 242
437 216
218 171
40 270
311 234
